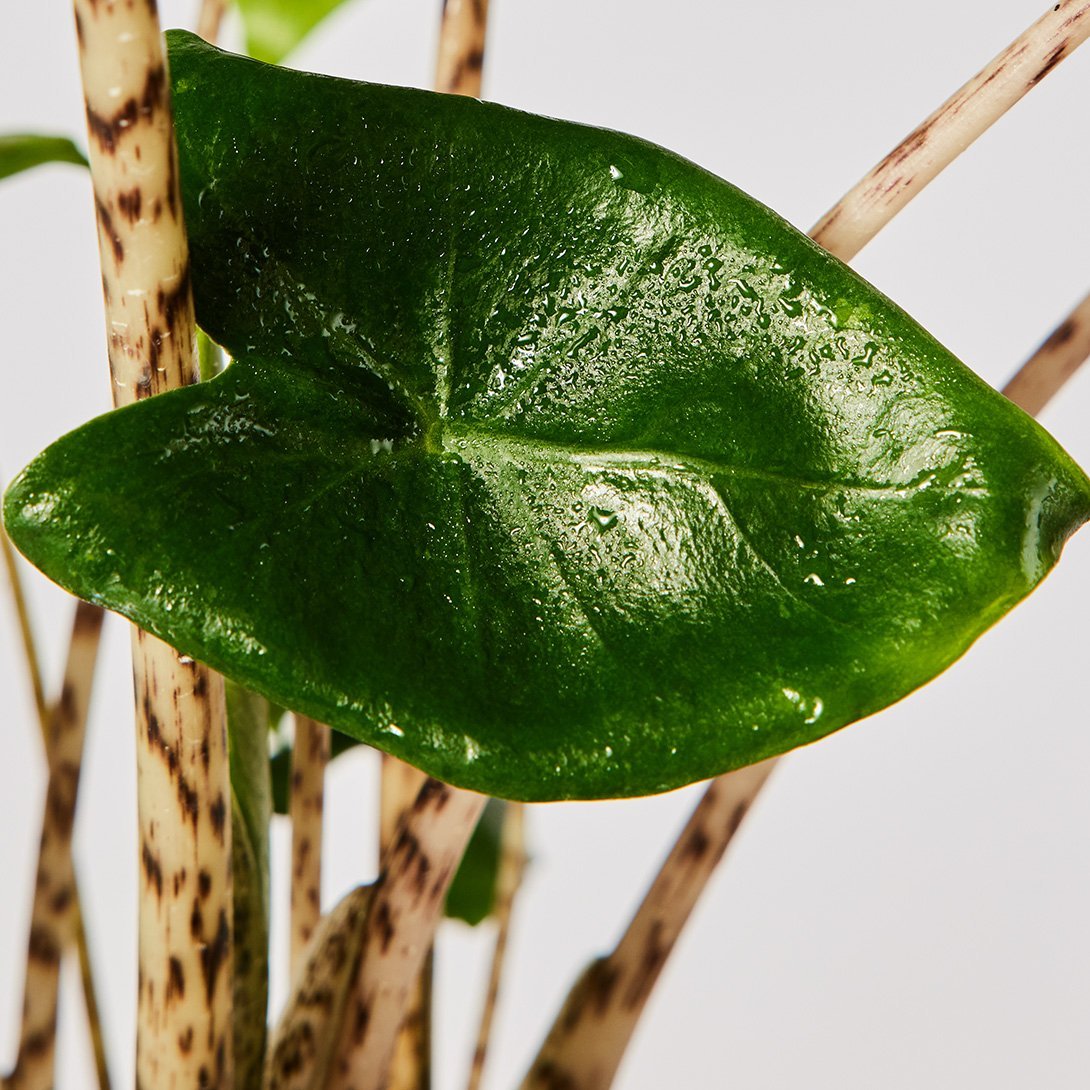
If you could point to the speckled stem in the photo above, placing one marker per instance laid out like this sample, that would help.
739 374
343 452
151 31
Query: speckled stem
588 1039
301 1050
87 978
210 19
52 917
410 1068
850 224
461 47
309 757
184 1003
406 907
508 879
1058 358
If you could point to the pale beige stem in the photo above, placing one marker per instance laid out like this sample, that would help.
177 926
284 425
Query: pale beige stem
210 19
406 908
52 916
26 632
74 683
508 879
588 1039
184 1004
1060 355
850 224
410 1068
309 757
461 47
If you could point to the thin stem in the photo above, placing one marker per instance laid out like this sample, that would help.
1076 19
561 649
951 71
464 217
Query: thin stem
183 793
508 879
90 993
405 910
851 223
588 1039
309 757
90 636
1057 359
22 613
210 18
461 47
52 915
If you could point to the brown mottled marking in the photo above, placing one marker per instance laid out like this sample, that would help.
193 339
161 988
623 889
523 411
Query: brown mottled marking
310 754
301 1049
389 966
53 919
933 145
588 1039
410 1068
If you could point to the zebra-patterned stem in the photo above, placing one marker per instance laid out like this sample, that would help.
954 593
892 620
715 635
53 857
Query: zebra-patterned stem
309 757
406 907
52 916
410 1068
588 1039
184 1002
33 666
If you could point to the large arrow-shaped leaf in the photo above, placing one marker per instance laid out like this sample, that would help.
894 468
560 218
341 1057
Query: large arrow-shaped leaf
548 462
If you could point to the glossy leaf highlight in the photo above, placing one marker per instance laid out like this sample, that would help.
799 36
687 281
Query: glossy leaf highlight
548 461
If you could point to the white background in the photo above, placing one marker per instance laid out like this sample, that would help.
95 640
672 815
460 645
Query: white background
907 905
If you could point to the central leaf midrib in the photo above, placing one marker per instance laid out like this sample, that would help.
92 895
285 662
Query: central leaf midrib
463 440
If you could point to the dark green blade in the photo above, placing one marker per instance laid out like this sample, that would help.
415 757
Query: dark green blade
548 462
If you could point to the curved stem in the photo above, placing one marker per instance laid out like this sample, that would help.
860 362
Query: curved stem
405 909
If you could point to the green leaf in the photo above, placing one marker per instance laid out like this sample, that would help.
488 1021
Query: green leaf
21 151
275 27
251 809
548 461
472 894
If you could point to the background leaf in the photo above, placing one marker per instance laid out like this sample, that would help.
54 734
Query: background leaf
472 894
275 27
21 151
548 461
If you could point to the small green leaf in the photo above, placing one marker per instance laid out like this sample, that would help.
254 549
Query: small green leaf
472 894
275 27
21 151
548 461
247 736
